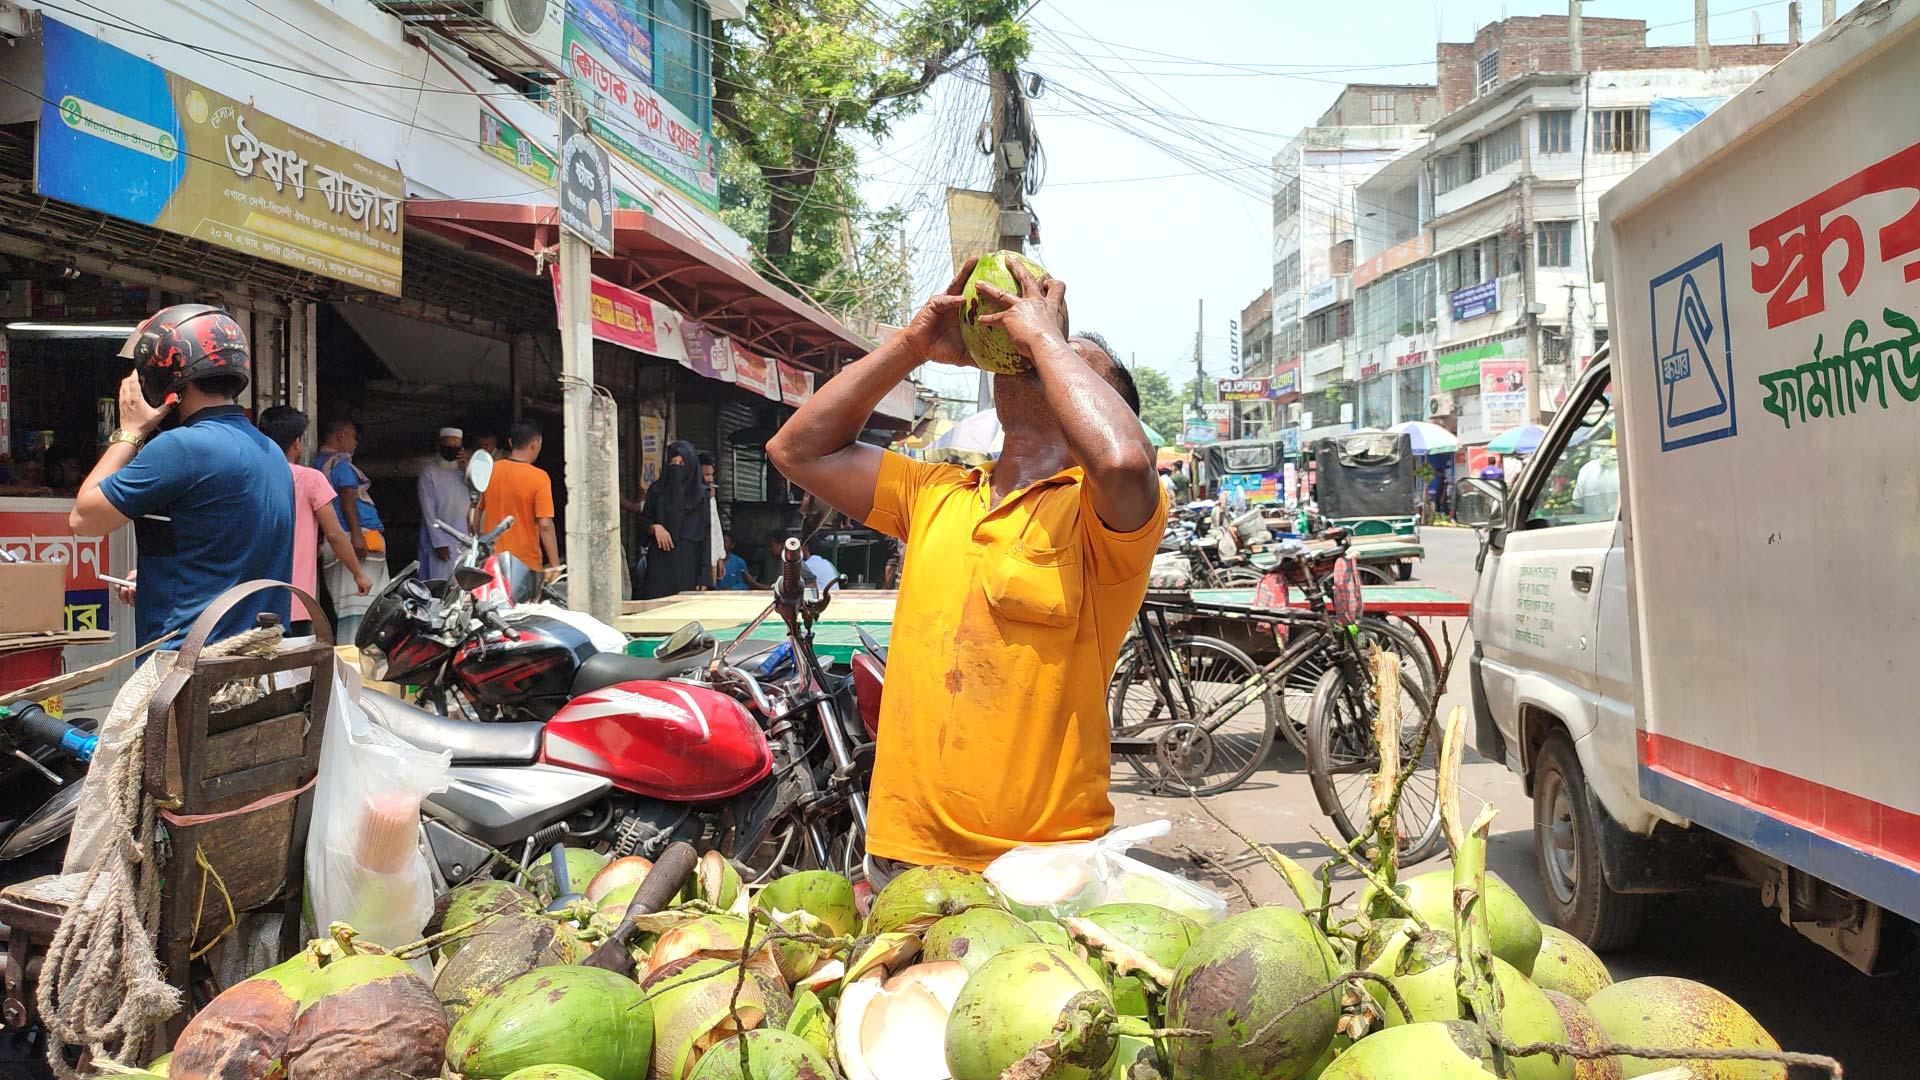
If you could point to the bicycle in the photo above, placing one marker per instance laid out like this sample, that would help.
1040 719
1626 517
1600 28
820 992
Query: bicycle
1180 703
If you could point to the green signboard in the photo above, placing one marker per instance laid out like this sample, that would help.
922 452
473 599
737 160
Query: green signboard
1460 370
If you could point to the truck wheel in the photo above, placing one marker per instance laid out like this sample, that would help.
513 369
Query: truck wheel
1566 847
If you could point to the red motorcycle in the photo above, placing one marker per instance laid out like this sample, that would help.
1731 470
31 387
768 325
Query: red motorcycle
760 759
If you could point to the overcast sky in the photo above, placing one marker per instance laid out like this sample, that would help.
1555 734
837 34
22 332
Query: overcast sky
1158 123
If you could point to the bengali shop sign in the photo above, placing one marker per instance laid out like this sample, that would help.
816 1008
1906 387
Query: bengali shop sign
125 137
626 112
620 316
1286 381
1476 300
1503 393
1245 389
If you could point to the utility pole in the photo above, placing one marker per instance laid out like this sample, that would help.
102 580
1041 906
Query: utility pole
1573 33
1199 357
1011 141
594 584
1826 13
1702 50
1527 268
1793 22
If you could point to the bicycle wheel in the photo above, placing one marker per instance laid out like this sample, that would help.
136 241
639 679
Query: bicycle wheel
1238 577
1342 758
1296 692
1217 744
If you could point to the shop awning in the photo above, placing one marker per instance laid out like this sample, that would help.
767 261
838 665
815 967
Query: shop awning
698 280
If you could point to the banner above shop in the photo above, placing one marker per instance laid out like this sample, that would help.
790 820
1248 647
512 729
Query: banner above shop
609 57
625 318
1460 369
124 136
755 373
1286 381
1394 258
1476 300
796 383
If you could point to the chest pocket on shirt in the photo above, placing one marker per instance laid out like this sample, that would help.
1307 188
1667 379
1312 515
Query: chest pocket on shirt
1035 585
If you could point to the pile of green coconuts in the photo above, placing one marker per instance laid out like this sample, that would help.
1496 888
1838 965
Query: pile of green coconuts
946 977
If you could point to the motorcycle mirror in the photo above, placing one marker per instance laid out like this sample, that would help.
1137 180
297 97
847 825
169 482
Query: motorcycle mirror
470 577
479 471
687 637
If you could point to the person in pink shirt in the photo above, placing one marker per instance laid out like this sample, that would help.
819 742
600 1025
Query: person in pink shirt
312 513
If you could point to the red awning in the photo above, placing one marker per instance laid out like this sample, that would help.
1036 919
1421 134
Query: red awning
651 257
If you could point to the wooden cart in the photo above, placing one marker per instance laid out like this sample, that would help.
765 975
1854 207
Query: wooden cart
234 789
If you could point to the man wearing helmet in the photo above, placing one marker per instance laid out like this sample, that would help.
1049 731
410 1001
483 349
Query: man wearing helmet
211 499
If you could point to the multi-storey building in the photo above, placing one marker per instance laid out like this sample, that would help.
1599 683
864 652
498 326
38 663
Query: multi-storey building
1476 297
1315 177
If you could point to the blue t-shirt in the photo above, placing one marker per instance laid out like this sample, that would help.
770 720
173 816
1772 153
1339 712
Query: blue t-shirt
736 573
212 506
342 473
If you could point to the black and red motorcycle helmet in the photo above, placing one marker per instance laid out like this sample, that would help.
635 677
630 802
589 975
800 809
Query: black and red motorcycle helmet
186 343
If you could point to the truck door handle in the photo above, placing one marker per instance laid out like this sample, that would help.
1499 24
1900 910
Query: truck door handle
1583 579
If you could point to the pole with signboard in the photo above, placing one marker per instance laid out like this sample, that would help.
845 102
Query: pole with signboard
589 426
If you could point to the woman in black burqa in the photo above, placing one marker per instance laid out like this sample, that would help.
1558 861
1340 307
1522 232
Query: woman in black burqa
675 519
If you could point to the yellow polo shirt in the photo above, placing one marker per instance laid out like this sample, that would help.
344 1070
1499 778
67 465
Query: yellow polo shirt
993 730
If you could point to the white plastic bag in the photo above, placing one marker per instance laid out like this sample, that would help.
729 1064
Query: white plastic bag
1057 880
365 867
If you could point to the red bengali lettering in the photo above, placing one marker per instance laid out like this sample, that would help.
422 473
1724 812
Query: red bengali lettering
1789 249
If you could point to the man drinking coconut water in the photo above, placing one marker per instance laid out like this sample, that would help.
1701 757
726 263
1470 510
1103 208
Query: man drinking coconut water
1020 580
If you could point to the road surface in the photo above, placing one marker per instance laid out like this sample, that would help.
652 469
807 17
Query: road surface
1809 999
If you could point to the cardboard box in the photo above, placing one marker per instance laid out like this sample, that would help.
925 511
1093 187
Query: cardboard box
33 598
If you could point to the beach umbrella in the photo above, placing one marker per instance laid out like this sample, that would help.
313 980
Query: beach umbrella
1153 436
1427 438
1524 439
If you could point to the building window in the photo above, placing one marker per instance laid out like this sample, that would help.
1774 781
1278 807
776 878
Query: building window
1329 326
1286 275
1286 201
1380 108
1553 243
1489 73
1553 346
1556 131
1599 337
1620 131
681 32
1501 149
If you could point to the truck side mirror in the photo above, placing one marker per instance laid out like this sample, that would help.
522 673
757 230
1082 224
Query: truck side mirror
1478 502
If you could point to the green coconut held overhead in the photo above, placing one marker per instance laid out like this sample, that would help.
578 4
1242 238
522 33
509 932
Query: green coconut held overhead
990 346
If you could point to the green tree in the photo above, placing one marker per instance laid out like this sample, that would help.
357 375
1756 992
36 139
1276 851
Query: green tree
1160 406
795 78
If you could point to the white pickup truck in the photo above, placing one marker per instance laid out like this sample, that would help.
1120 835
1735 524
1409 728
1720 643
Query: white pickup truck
1696 603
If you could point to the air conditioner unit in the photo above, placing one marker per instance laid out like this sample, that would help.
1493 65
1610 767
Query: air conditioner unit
1440 405
526 35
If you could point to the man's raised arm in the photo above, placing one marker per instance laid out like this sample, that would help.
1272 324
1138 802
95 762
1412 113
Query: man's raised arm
818 448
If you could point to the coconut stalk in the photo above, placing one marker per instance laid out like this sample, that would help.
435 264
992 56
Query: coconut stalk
1383 809
1473 939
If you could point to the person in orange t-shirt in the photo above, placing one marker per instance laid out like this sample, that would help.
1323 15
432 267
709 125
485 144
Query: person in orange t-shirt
523 489
1019 583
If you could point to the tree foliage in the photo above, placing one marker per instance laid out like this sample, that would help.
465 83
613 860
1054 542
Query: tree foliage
1163 407
795 78
1159 404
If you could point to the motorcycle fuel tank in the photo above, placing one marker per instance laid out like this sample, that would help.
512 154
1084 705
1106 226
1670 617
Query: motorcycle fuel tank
665 740
531 672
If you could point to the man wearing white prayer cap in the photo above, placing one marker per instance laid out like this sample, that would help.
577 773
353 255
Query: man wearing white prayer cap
443 497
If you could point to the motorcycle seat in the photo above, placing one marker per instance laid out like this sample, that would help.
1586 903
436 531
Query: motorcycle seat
470 742
604 669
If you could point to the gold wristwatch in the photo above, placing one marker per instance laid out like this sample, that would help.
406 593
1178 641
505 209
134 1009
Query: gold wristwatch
131 438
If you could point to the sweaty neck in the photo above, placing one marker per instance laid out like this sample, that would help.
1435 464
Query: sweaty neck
193 402
523 456
1029 453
